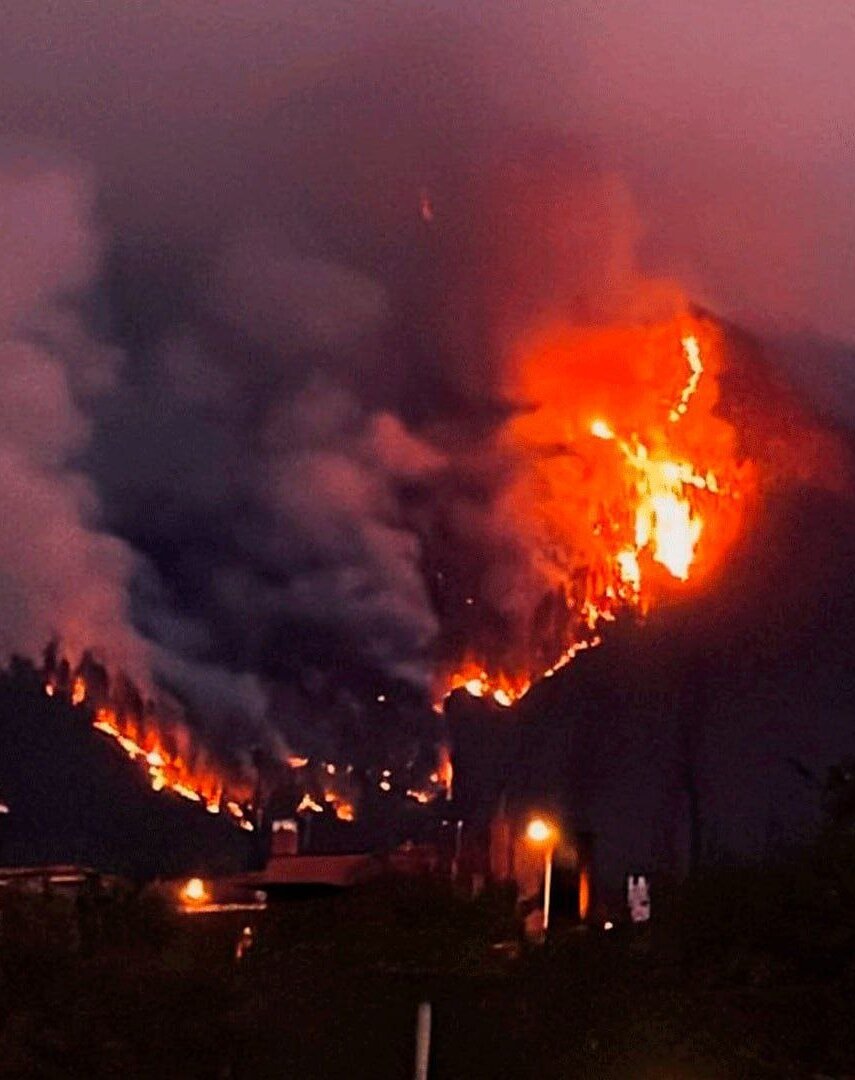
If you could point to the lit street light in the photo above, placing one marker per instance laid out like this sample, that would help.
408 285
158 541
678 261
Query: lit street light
539 831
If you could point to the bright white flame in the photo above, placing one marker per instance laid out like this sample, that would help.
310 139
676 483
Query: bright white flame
628 568
692 351
601 430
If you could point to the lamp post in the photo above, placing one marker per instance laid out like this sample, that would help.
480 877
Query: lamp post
540 832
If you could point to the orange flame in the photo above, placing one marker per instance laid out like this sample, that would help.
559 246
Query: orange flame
628 485
166 769
78 691
444 775
342 807
308 803
584 894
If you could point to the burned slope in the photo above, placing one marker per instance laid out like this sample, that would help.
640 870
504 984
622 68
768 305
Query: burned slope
75 798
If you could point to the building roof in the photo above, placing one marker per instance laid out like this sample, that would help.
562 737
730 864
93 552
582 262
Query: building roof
339 871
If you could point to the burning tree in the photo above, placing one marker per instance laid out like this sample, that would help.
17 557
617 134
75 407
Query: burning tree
156 737
627 488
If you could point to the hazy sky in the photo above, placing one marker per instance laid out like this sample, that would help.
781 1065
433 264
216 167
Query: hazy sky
733 122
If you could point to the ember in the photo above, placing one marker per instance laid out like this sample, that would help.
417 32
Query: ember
308 803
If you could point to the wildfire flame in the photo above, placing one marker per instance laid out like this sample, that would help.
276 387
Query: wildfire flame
328 787
167 770
78 691
308 803
342 808
444 775
628 487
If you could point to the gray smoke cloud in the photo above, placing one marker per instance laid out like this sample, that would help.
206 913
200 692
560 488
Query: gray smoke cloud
64 575
61 573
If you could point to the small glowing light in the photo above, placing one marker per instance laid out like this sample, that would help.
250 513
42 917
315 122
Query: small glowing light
608 925
470 600
385 785
538 830
503 698
330 769
78 691
381 698
387 773
195 891
584 895
601 430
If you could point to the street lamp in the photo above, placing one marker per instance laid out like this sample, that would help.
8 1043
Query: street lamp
195 891
540 832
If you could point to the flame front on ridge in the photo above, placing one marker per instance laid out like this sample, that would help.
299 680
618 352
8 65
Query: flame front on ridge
628 487
166 769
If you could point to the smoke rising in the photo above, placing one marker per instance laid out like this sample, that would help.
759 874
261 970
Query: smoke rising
61 573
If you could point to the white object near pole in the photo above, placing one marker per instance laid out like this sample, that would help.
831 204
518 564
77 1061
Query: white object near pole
547 887
423 1018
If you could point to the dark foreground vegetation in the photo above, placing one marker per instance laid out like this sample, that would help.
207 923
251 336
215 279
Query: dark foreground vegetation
746 972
